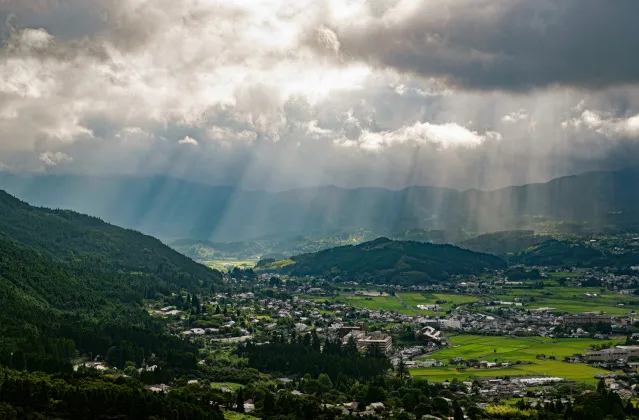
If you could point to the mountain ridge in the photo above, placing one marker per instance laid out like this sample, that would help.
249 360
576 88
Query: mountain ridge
386 261
176 209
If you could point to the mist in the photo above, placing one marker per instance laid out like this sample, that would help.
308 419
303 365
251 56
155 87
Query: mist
217 107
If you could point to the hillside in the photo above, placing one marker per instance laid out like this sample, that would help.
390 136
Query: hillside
385 261
90 244
156 205
73 284
202 250
566 254
502 243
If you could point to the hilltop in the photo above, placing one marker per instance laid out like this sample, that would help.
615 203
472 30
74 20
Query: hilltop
386 261
506 242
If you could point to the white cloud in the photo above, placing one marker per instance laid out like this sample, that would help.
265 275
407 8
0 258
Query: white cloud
55 158
274 96
189 141
448 135
515 117
604 124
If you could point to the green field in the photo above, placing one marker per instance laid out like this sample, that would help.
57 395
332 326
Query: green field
572 299
232 415
225 265
382 303
230 385
513 349
414 299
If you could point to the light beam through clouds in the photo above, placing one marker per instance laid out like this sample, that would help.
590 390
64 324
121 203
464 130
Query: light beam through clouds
277 94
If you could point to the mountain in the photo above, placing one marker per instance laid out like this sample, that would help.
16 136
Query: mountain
71 283
385 261
505 242
78 240
175 209
268 247
565 254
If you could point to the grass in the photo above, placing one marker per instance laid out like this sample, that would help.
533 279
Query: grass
576 372
232 415
414 299
573 299
224 265
230 385
513 349
380 303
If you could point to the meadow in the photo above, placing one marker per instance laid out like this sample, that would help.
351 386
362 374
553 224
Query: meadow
573 299
414 299
225 265
525 350
230 385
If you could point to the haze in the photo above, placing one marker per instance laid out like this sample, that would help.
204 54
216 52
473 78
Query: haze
275 94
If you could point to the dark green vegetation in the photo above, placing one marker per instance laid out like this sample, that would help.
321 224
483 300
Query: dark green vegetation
308 355
91 396
72 285
387 261
506 242
575 253
591 202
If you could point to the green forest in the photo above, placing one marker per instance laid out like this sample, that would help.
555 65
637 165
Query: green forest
387 261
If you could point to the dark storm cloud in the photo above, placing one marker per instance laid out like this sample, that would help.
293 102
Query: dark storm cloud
505 44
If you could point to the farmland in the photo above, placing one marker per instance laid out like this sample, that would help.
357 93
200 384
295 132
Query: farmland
530 356
227 264
447 301
572 299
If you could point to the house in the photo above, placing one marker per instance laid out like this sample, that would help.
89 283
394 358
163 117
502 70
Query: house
351 405
158 388
375 406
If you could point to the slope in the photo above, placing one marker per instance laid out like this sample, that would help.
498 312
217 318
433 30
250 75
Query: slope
178 209
505 242
92 245
72 284
385 261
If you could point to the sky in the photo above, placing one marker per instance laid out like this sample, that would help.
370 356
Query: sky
278 94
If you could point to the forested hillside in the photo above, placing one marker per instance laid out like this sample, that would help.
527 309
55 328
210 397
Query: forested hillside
506 242
72 285
387 261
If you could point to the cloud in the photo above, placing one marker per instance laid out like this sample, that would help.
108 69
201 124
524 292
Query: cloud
515 117
189 141
515 45
605 125
442 135
55 158
284 94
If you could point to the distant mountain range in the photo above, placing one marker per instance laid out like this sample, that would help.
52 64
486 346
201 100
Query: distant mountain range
385 261
176 209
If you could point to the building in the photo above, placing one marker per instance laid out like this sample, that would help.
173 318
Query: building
610 355
453 324
378 340
587 319
343 331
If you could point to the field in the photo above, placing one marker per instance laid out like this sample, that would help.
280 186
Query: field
230 385
382 303
573 299
414 299
225 265
514 349
232 415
